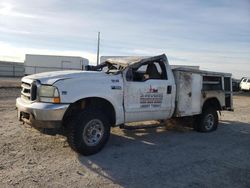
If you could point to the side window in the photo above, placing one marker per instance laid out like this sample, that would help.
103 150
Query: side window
158 68
142 69
147 71
248 81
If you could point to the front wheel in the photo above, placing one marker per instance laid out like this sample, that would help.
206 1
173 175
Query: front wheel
207 121
88 132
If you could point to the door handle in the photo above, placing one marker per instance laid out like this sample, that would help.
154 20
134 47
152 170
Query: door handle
169 89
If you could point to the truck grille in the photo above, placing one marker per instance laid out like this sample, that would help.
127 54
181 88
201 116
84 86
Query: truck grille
29 91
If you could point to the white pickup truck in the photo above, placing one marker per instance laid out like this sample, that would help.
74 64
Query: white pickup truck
118 91
245 84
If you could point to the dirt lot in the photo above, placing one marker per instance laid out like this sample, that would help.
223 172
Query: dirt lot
159 157
7 82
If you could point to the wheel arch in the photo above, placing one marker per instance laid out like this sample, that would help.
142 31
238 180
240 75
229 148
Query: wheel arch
212 102
97 103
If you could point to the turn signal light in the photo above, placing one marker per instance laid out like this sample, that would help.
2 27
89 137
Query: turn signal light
56 100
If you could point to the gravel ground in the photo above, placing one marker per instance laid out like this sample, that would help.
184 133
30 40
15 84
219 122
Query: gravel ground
162 157
10 82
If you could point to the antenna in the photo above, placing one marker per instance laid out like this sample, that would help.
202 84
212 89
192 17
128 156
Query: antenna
98 48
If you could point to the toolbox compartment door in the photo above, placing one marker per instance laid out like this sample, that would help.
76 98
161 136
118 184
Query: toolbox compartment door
188 98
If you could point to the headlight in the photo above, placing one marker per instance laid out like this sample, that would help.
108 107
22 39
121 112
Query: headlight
49 94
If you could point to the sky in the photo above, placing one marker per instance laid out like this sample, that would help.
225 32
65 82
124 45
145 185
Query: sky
214 34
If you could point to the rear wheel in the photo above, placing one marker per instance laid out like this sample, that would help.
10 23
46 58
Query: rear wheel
207 121
88 132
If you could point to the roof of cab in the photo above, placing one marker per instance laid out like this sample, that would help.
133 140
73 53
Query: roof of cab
135 61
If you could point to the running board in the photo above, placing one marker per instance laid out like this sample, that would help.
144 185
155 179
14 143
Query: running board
131 127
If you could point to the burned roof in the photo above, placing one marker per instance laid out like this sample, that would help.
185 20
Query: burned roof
135 61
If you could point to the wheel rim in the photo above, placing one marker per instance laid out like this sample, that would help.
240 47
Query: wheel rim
209 121
93 132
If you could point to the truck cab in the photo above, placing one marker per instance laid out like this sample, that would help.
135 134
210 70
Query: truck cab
149 91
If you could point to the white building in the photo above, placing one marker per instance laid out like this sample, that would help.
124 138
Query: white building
43 63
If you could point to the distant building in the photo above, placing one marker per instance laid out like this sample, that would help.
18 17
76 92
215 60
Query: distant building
185 66
43 63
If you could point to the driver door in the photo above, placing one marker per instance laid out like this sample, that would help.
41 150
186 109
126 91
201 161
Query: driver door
147 97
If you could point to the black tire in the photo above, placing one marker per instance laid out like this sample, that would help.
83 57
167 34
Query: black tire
207 121
79 131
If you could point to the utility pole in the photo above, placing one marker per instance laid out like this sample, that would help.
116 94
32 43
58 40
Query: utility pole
98 48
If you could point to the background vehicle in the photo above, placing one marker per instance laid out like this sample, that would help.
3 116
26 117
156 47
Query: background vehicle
119 91
236 84
43 63
245 84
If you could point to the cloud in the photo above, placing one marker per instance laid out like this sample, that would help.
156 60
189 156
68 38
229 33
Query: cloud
6 30
7 9
195 32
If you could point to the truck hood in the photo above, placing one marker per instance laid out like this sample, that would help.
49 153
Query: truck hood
51 77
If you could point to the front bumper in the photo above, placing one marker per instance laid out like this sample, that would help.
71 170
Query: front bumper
40 115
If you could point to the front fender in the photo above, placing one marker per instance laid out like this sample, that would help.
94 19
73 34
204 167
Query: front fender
72 90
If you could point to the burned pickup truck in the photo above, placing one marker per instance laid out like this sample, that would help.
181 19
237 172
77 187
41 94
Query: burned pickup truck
119 91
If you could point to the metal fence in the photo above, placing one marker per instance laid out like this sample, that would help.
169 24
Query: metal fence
11 69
